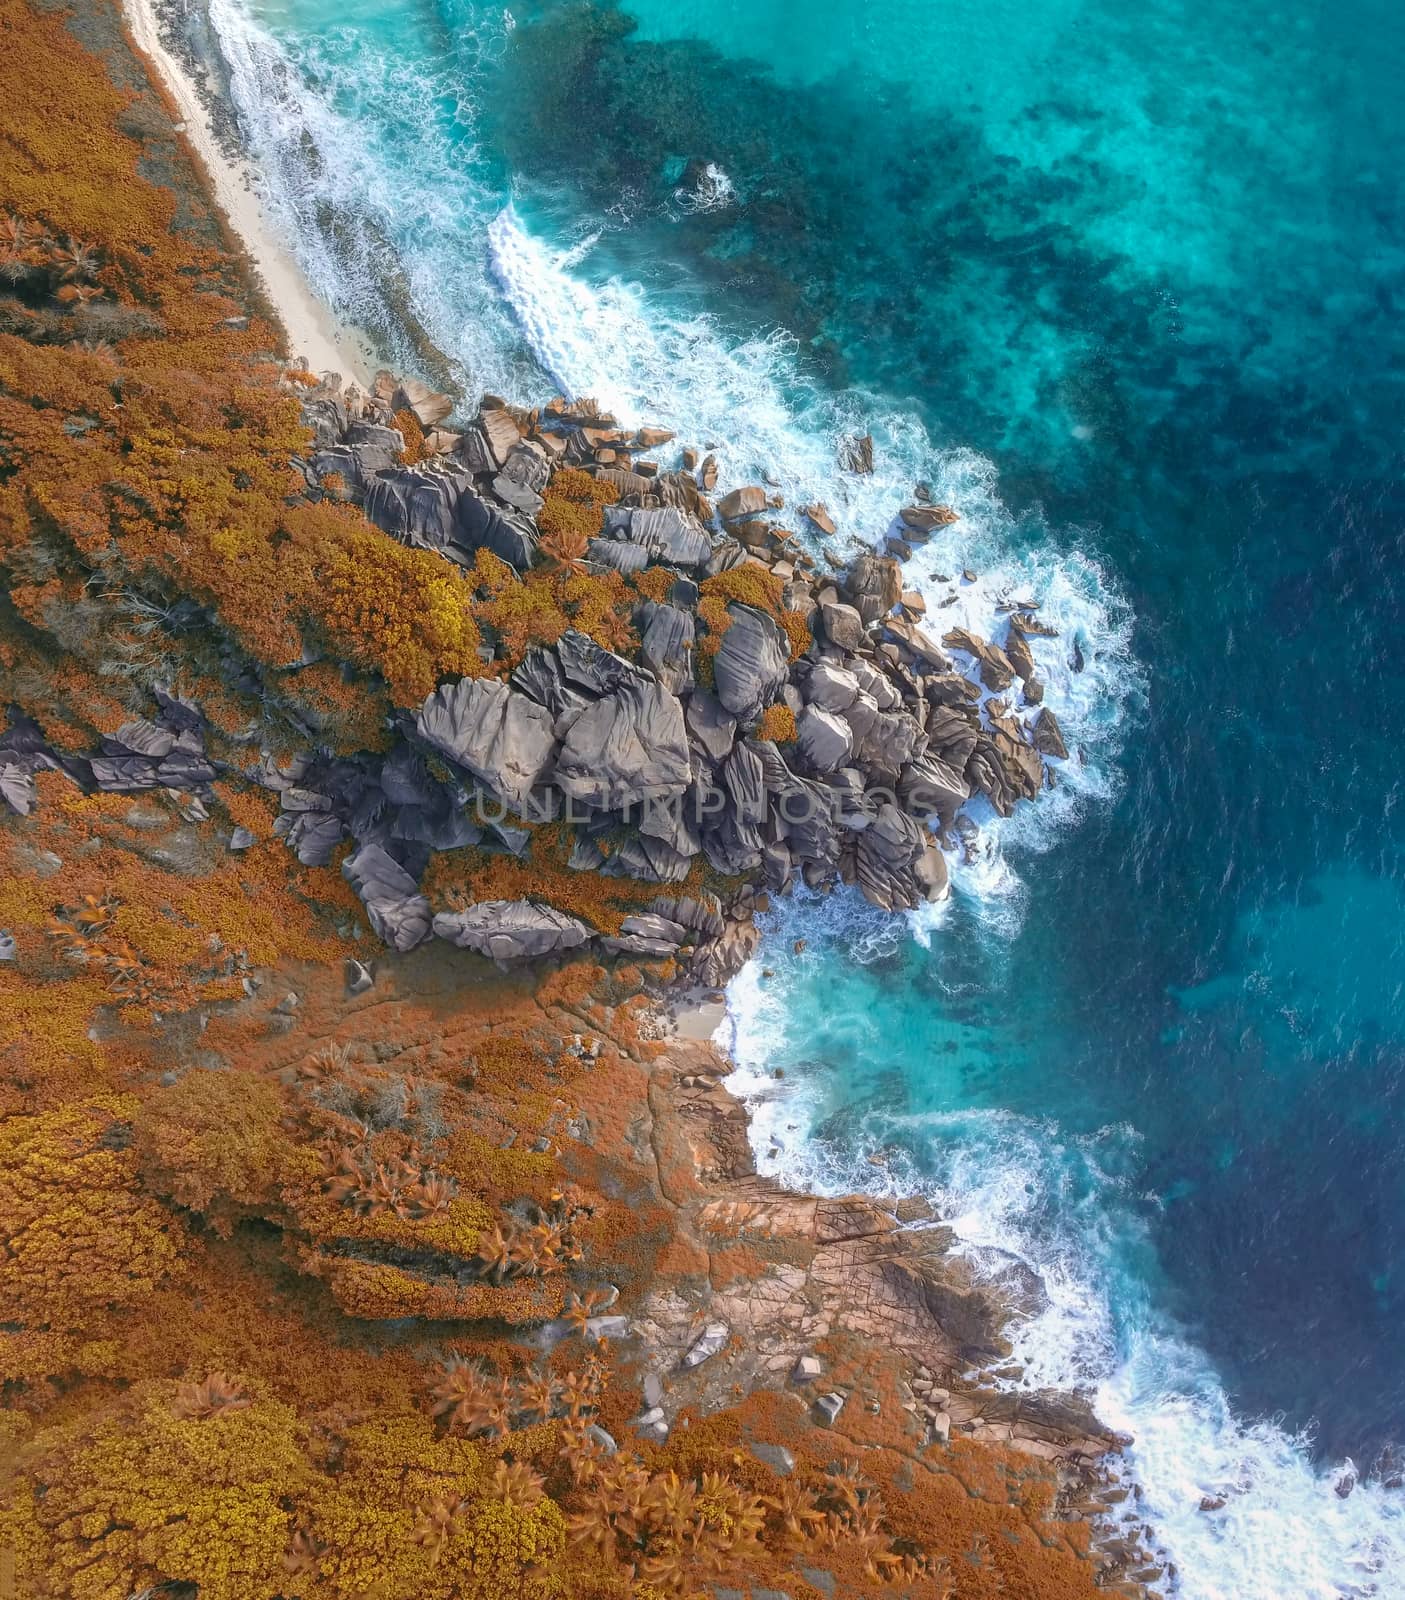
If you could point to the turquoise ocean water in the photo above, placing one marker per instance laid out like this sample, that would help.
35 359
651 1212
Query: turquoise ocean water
1124 284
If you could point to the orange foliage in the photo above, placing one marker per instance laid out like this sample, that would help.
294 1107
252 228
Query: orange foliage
240 1401
777 723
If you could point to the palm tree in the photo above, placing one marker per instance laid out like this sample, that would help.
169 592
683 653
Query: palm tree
427 1198
436 1523
75 259
209 1397
303 1553
537 1395
578 1395
517 1484
497 1251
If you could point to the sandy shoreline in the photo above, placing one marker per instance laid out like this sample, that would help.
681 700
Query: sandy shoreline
313 333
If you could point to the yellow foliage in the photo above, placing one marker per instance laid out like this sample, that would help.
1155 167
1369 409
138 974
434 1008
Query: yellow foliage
80 1238
142 1495
753 586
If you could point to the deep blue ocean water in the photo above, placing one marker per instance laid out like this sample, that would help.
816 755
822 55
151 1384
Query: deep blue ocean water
1125 285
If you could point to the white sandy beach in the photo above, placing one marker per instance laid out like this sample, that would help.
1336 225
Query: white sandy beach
313 332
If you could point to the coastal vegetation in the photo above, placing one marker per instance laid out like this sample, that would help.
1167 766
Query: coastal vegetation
333 1272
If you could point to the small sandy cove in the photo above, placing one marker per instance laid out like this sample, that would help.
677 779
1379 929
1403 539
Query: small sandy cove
312 330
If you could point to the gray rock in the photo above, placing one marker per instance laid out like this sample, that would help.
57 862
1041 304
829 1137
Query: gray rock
479 526
630 747
473 452
886 853
1048 736
241 839
668 534
996 672
501 432
124 774
17 788
528 465
611 1327
597 1435
707 1344
376 441
929 873
806 1369
9 950
893 739
713 729
741 503
500 736
776 1457
398 913
313 836
666 644
649 859
825 739
141 738
517 495
843 626
939 1427
653 1390
650 925
511 930
1018 654
831 687
932 787
326 417
626 558
856 453
416 505
590 666
359 977
752 663
917 643
875 583
828 1406
875 685
428 407
702 917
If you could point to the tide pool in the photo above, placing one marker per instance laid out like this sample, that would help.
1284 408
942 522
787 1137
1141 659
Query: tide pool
1124 285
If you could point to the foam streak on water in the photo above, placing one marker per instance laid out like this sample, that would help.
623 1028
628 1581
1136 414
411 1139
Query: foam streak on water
1016 1190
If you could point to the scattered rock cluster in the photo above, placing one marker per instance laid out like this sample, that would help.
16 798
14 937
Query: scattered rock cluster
651 768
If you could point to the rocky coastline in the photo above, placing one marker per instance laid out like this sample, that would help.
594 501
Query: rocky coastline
668 709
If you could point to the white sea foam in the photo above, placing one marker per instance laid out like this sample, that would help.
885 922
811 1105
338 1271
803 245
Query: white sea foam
1013 1188
749 401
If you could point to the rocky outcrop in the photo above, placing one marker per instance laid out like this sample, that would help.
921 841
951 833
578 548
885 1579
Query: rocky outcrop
656 763
502 737
511 930
752 663
399 913
625 749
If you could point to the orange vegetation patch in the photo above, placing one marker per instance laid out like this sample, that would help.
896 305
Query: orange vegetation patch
468 875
